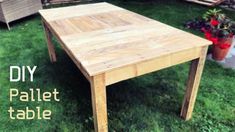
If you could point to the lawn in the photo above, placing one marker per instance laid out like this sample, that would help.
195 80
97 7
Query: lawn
148 103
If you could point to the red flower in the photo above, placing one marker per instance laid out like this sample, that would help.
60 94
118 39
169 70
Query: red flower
214 22
208 35
214 40
225 46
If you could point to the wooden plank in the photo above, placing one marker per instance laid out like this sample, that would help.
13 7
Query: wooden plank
118 57
206 2
81 10
63 1
54 2
99 104
214 2
194 78
67 50
200 2
151 65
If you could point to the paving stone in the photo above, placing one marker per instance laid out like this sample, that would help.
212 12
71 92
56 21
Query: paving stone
226 63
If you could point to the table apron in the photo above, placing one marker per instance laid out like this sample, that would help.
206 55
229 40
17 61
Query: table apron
152 65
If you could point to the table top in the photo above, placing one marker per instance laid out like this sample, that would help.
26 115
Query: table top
103 37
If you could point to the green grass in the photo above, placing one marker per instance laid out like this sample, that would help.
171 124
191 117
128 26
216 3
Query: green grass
148 103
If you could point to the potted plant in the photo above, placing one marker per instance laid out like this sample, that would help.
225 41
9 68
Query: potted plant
220 30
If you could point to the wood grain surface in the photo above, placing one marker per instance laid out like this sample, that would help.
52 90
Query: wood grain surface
103 37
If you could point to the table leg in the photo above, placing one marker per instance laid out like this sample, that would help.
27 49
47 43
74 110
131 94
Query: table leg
194 78
99 104
51 48
8 26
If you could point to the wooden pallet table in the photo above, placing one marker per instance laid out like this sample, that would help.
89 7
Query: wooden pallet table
207 2
110 44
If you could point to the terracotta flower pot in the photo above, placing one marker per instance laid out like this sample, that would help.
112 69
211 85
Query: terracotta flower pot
219 53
